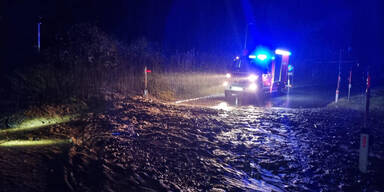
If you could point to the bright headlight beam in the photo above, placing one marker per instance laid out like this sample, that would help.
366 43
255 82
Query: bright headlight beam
252 78
37 123
234 88
252 56
252 87
25 143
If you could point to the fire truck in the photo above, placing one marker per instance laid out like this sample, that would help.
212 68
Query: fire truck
257 75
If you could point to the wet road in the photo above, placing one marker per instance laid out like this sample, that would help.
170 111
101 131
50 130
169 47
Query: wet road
143 145
297 97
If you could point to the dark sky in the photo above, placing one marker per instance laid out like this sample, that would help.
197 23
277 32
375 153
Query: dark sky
311 29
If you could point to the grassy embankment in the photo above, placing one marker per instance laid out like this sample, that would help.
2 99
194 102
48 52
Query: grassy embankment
357 102
174 86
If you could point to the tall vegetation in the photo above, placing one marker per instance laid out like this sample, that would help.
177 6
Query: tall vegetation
84 61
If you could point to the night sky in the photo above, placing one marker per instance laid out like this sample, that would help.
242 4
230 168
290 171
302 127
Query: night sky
311 29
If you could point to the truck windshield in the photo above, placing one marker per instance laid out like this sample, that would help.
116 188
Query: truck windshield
247 65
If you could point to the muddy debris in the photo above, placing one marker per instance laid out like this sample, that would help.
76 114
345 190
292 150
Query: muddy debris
139 144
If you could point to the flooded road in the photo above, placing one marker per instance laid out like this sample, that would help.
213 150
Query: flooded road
142 145
297 97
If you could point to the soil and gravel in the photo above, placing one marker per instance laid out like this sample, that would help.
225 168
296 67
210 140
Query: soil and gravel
136 144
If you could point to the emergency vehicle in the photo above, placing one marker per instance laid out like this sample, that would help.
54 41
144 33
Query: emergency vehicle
254 76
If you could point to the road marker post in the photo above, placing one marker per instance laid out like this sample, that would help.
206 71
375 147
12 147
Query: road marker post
337 89
38 36
367 99
338 78
145 82
363 154
349 84
364 136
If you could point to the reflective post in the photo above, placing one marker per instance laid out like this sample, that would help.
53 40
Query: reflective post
349 84
364 136
363 154
145 82
273 75
38 36
367 99
337 88
338 79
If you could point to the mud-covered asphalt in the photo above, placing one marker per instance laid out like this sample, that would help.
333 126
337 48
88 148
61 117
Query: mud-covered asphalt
135 144
296 97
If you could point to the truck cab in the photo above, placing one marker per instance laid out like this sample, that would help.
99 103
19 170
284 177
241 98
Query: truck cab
254 76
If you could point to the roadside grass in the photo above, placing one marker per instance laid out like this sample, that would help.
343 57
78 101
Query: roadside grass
174 86
357 102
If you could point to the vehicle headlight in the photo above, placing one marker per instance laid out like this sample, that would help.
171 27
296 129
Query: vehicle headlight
252 87
225 83
228 75
252 78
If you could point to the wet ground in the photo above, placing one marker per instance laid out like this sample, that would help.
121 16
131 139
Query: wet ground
297 97
142 145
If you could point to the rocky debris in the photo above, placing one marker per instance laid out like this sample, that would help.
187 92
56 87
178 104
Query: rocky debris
185 148
140 144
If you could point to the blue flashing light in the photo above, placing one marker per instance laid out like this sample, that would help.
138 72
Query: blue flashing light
262 57
290 68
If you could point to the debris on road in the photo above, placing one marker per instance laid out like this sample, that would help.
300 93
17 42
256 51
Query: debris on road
138 144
